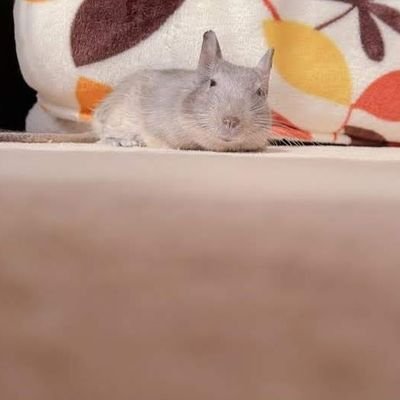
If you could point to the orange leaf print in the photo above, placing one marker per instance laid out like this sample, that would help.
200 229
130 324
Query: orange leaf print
89 94
382 98
283 128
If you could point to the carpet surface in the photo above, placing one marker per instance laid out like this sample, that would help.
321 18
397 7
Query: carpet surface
138 274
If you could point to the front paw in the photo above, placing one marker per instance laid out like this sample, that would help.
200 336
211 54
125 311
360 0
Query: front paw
128 143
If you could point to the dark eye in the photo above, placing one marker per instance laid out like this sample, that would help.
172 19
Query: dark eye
213 83
260 93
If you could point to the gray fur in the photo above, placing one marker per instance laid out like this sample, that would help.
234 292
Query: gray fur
183 109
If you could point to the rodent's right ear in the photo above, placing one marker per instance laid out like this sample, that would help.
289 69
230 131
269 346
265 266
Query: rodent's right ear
210 53
265 63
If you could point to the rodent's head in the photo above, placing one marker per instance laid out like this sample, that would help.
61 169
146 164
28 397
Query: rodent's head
229 106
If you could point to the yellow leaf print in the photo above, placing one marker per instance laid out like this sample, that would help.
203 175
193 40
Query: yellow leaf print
309 60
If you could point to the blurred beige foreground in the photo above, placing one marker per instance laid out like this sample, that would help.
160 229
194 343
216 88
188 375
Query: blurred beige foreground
150 275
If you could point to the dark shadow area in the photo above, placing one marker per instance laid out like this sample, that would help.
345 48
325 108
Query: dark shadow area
16 97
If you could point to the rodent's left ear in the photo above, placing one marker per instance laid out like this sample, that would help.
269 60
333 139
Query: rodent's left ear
265 64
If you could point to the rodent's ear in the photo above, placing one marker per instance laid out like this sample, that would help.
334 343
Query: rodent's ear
210 53
265 64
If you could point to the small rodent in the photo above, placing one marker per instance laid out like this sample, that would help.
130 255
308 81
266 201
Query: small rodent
218 107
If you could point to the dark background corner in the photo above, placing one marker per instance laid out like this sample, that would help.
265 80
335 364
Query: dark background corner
16 98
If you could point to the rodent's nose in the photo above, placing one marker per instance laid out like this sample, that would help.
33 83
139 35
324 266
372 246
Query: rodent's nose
231 122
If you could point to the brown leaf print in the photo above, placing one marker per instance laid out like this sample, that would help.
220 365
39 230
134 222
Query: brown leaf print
105 28
364 137
371 37
388 15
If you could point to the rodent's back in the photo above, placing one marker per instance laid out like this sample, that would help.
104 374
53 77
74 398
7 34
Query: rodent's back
162 98
149 104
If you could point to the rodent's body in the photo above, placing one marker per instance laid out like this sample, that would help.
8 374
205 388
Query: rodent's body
219 107
153 109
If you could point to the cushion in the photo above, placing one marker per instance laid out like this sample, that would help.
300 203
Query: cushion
336 77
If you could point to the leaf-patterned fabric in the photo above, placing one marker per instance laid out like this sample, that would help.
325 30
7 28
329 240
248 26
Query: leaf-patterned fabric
337 69
336 76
